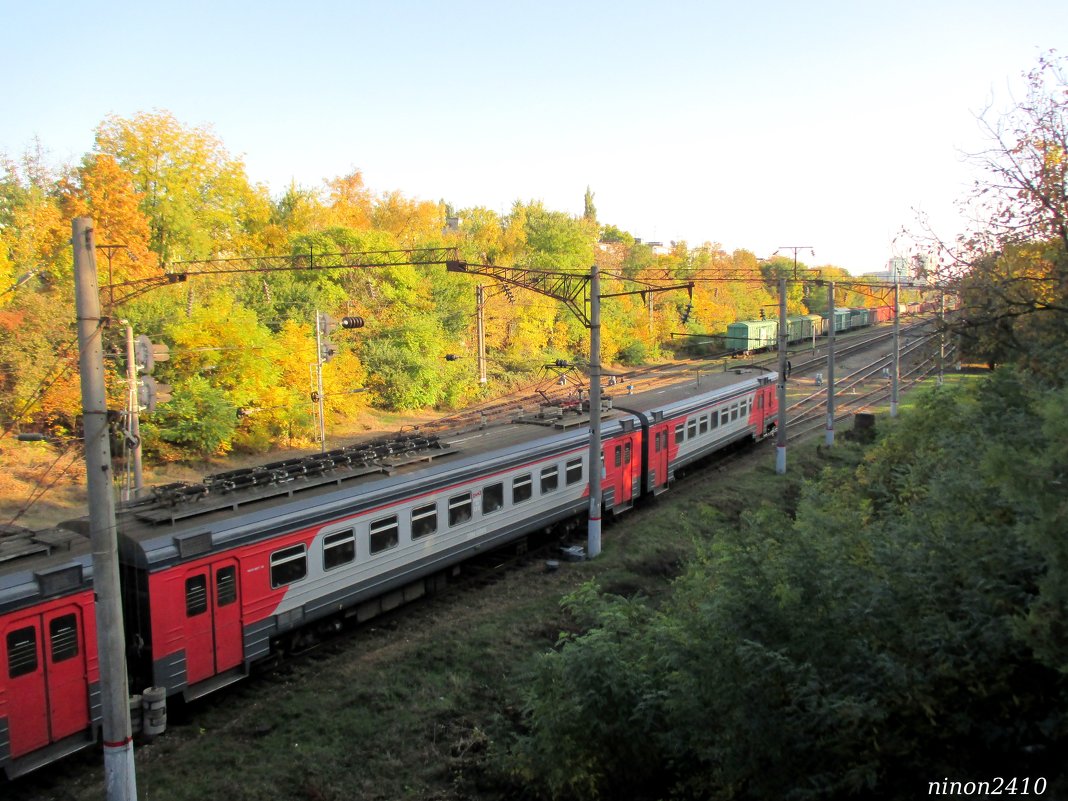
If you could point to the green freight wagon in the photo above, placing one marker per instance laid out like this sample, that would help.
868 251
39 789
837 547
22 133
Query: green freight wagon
841 321
750 335
803 327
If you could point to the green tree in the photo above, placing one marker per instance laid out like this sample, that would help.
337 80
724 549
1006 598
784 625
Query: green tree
885 633
589 211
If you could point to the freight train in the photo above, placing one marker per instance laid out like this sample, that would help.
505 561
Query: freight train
749 336
251 564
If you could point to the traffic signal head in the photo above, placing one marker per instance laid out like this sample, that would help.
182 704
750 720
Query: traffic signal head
352 322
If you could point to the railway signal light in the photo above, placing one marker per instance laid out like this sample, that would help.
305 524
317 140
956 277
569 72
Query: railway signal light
352 322
327 324
687 312
147 353
151 393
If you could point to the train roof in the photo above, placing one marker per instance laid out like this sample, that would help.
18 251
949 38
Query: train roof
708 387
185 520
35 565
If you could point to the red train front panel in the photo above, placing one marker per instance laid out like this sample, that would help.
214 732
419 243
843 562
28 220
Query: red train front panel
49 671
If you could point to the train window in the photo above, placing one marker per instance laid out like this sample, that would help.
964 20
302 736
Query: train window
424 521
656 442
626 452
63 633
196 595
691 429
680 433
734 411
618 456
492 498
288 565
339 549
713 419
724 416
226 586
459 509
550 479
384 534
703 424
573 472
522 488
21 652
760 401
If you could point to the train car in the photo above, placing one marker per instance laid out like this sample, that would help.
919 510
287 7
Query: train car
841 320
804 327
685 423
250 564
746 336
882 314
50 703
858 318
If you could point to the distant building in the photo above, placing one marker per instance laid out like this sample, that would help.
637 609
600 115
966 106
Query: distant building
898 270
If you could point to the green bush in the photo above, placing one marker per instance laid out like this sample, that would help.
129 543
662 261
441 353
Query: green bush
883 636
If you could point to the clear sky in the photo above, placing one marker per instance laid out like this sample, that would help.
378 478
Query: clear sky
752 125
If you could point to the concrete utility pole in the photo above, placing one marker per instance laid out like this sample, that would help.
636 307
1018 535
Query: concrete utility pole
480 326
593 537
119 779
941 336
830 364
780 435
319 379
135 416
895 371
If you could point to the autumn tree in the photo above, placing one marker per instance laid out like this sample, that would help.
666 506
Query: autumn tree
103 190
1012 271
197 198
349 203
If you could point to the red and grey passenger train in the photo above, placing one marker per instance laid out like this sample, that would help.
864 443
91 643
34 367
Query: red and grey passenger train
251 563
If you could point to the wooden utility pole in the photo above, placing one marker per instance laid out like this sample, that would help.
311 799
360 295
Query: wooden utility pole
119 779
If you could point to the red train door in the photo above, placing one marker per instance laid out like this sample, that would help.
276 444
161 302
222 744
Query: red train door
48 692
659 458
68 681
212 620
26 687
229 639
